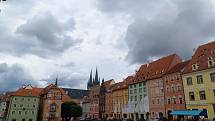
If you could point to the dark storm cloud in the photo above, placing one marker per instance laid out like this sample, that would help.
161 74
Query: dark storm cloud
13 77
162 27
43 35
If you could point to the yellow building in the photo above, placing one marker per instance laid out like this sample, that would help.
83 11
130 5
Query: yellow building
120 98
199 80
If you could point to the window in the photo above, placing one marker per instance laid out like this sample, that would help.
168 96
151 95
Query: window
58 96
158 101
169 101
212 77
14 105
210 61
14 120
214 108
131 98
141 97
189 81
32 112
20 112
53 107
135 98
135 91
15 99
13 112
214 92
28 99
34 106
144 89
179 88
202 95
174 100
23 119
130 86
141 90
131 91
140 84
167 89
191 96
26 112
194 66
22 99
180 100
135 85
153 102
199 79
30 120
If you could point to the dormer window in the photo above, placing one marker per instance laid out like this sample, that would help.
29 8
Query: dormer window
194 67
213 51
210 61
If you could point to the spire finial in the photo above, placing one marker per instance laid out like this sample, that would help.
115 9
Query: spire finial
56 81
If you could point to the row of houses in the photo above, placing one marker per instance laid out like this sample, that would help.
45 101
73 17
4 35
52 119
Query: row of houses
33 104
158 89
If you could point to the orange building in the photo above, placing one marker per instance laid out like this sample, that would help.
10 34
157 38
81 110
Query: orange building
51 99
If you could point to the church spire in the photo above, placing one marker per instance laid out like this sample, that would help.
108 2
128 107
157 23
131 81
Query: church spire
90 81
56 81
96 77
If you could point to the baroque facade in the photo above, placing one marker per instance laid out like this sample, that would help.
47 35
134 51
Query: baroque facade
199 80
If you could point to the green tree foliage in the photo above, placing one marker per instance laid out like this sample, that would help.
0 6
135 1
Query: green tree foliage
69 110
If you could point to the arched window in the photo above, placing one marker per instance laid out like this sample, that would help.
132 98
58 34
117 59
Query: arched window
53 107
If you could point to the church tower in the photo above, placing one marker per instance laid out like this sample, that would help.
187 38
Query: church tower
93 81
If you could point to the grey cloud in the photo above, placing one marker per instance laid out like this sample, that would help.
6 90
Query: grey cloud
71 80
43 35
13 77
167 27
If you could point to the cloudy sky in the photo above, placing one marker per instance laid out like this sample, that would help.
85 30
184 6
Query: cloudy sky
43 39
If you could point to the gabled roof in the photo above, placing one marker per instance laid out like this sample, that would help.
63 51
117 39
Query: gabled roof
156 68
179 67
200 57
34 92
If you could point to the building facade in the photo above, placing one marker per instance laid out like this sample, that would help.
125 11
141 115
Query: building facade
94 102
155 71
138 105
4 104
173 89
24 104
199 80
108 98
85 104
120 99
52 98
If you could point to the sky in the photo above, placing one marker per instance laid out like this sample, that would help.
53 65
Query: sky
42 40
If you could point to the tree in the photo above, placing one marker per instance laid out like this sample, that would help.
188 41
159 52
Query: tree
69 110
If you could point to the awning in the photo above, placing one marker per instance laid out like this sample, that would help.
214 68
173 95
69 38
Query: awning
188 113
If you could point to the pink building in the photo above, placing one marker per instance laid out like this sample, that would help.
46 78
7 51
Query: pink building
94 102
155 72
173 87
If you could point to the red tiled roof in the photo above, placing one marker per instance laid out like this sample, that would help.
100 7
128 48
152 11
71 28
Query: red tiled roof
34 92
108 83
200 57
156 68
179 67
